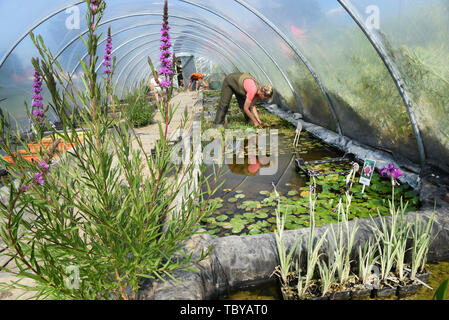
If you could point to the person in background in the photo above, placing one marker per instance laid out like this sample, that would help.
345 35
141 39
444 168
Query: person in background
156 90
197 77
247 92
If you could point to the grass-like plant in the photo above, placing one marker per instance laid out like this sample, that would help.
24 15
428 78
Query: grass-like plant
285 260
388 249
343 242
420 246
92 223
313 249
327 275
392 234
367 260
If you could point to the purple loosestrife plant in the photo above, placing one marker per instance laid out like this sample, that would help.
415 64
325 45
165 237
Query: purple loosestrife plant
37 106
95 5
166 55
107 56
104 208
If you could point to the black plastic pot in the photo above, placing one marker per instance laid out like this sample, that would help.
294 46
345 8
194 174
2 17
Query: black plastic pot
345 295
399 291
412 288
361 293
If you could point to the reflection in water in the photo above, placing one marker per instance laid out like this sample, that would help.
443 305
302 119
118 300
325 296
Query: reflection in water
247 179
250 167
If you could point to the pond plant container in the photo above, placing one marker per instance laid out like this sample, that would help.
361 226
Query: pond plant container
399 290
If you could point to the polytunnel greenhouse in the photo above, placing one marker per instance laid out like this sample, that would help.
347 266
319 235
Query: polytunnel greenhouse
212 150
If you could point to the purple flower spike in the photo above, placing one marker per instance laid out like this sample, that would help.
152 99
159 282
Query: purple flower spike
44 165
107 56
37 106
166 54
94 5
38 178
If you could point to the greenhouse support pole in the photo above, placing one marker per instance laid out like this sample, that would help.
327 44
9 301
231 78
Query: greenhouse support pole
394 72
141 74
8 53
158 14
145 56
212 46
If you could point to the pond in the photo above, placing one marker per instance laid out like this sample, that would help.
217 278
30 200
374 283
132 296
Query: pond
246 201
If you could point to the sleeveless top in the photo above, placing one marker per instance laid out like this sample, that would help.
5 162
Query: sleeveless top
235 81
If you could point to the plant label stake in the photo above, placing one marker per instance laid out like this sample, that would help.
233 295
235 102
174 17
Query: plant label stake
367 173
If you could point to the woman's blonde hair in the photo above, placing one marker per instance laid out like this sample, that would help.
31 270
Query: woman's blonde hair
267 91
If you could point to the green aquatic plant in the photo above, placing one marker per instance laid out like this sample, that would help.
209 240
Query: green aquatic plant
327 275
391 230
367 260
402 250
421 244
285 260
441 292
313 249
342 250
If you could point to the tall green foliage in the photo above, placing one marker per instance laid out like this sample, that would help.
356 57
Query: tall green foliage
92 223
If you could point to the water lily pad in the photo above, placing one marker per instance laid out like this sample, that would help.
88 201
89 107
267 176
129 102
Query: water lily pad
262 223
238 191
210 220
213 231
252 204
249 215
240 196
232 200
261 215
253 226
226 225
264 192
222 217
292 193
238 228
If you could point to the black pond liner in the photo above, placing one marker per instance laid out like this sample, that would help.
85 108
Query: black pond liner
239 260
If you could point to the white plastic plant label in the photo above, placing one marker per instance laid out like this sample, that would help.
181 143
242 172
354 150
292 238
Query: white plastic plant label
367 172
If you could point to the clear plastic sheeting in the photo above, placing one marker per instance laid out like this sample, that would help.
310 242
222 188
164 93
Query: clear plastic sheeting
416 34
375 71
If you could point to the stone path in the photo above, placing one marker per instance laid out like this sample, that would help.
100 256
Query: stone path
190 101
